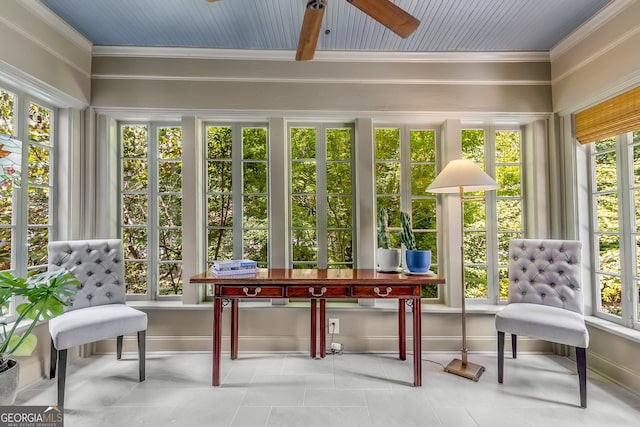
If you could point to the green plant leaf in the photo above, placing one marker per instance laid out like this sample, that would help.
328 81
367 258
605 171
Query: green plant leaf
26 347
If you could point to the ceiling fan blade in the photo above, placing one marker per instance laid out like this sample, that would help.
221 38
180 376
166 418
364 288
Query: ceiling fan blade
310 29
389 15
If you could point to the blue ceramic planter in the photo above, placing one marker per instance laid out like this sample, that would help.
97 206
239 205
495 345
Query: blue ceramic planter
418 261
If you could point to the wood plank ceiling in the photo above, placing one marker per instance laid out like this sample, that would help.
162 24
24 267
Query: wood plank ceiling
446 25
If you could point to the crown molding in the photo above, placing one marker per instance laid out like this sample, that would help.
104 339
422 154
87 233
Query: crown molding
54 21
321 56
585 30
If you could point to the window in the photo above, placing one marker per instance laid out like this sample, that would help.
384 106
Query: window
26 214
237 193
490 222
615 221
404 170
322 202
151 214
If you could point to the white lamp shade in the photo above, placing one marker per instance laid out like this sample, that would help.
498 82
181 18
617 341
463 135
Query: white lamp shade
462 173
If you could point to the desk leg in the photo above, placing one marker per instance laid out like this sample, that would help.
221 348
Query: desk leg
417 343
234 329
402 329
217 340
323 335
312 350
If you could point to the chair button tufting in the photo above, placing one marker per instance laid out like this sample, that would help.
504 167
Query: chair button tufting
89 296
515 257
543 295
69 251
561 272
108 271
59 264
78 262
572 286
88 250
542 248
532 259
116 282
561 249
89 273
98 261
524 292
98 284
524 270
541 271
108 294
563 299
516 280
553 285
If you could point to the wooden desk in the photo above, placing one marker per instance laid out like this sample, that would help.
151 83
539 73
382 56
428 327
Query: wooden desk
317 285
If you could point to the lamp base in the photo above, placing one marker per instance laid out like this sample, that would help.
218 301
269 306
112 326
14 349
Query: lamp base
470 370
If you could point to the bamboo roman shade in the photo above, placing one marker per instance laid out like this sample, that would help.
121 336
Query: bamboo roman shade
612 117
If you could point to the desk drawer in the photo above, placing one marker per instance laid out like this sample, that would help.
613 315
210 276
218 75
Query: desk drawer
317 291
251 291
383 291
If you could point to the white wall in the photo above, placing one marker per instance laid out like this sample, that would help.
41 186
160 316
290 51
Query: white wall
589 67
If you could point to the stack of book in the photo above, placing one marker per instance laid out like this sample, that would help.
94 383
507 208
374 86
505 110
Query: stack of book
235 267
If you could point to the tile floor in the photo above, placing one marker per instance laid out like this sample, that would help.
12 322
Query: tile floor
348 390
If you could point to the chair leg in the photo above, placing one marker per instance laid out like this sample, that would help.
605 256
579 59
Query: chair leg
500 356
581 361
53 361
119 347
514 346
141 354
62 375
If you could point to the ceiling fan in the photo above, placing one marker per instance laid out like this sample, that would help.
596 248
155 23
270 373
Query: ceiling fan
383 11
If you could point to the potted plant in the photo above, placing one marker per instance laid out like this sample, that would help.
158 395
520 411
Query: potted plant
388 258
45 295
416 261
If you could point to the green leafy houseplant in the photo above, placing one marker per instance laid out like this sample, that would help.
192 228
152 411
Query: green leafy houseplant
45 296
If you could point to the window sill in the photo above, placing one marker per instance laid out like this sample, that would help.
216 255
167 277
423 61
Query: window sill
613 328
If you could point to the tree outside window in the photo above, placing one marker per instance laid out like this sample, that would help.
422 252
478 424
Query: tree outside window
151 208
493 219
322 202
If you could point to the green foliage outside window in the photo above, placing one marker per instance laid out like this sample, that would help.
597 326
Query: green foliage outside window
161 196
321 181
506 161
607 225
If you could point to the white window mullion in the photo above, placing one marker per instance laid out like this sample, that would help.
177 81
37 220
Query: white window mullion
321 195
152 196
491 203
626 235
236 190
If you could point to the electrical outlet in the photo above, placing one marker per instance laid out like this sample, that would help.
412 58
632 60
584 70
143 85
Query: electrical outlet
334 326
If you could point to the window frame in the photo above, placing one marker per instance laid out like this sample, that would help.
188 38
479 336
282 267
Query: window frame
626 231
490 200
321 192
20 226
153 194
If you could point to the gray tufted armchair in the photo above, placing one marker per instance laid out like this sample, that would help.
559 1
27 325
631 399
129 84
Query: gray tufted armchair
545 300
98 311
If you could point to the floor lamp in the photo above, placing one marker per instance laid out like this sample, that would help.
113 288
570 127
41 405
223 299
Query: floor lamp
460 176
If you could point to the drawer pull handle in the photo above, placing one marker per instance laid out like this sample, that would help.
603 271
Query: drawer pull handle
246 292
313 292
380 294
